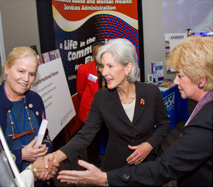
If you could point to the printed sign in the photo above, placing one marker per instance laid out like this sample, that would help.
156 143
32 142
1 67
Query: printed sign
51 85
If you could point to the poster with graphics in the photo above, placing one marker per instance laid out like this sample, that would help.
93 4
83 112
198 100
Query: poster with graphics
51 85
80 23
171 41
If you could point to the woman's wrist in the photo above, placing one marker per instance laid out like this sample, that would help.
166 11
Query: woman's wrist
59 156
34 171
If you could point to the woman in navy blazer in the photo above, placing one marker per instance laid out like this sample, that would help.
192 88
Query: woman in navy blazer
22 110
189 159
130 110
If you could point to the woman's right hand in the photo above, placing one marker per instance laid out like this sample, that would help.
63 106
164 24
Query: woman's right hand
44 173
30 152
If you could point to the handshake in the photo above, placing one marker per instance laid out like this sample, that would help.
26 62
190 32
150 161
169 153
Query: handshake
44 168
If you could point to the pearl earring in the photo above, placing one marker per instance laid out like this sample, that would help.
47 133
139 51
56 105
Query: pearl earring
200 85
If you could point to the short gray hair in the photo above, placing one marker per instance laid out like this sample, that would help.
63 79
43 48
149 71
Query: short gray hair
123 51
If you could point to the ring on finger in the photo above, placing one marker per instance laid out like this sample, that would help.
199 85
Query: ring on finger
139 160
53 172
77 182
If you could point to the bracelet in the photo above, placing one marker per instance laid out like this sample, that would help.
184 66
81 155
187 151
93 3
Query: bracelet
34 171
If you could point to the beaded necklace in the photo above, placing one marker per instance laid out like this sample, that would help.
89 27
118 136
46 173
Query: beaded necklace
13 121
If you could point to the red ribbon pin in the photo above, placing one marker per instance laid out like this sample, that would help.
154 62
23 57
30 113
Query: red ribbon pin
142 102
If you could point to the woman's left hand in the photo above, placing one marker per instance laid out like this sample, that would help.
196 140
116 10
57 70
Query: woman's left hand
140 153
30 152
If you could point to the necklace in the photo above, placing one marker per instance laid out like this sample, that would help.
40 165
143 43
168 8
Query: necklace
132 99
126 101
19 135
13 121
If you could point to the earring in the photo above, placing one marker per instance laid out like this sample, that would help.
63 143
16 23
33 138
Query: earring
200 85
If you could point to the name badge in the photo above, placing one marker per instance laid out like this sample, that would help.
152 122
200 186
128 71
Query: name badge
92 77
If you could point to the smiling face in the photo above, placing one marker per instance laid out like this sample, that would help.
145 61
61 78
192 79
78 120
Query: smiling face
19 77
186 87
114 72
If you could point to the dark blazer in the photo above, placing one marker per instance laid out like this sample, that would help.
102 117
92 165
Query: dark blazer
107 107
37 107
189 159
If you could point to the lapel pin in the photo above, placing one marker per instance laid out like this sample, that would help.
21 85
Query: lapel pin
142 102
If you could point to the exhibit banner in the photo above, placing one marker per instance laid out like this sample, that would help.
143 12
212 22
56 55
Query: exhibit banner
171 41
79 24
177 108
51 85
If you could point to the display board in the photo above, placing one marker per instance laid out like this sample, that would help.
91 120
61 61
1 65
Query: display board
171 41
78 24
51 85
157 71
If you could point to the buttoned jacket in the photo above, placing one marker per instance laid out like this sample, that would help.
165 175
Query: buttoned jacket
149 111
189 159
34 103
86 88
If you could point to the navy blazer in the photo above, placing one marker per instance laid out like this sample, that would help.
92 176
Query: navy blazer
189 159
107 107
37 107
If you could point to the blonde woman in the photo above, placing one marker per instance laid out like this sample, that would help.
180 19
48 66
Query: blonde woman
22 110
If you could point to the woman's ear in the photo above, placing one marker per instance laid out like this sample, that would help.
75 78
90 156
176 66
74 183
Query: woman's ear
6 69
203 80
129 67
202 83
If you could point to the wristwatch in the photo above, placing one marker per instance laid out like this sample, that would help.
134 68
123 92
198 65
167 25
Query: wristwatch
34 171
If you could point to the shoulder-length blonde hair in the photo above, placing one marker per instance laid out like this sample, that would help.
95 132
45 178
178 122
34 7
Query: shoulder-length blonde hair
195 57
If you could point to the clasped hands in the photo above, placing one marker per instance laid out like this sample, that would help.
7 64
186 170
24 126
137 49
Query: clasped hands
34 154
44 172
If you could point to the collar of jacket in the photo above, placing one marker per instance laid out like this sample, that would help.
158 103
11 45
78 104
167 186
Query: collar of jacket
117 108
